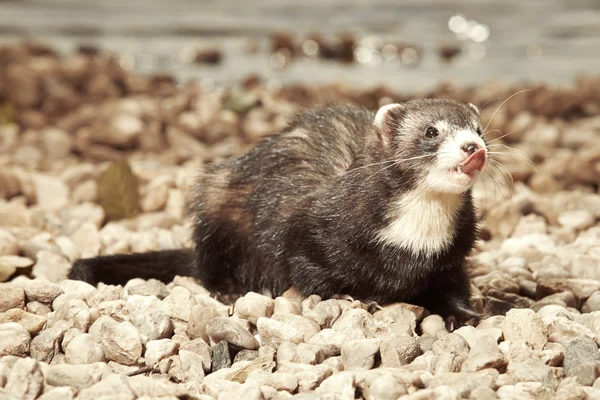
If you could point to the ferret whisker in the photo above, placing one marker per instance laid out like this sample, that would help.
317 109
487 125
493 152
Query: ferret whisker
487 173
370 165
504 171
497 109
514 182
511 149
489 101
501 137
396 163
503 176
517 156
499 188
485 191
490 131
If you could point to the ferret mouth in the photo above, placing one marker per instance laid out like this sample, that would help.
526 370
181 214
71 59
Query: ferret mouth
475 162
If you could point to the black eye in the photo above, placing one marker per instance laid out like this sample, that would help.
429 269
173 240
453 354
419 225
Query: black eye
431 132
479 131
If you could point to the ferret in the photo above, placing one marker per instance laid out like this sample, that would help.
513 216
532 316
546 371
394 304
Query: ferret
343 200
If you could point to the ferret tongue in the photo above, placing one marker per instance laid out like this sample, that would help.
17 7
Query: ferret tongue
475 161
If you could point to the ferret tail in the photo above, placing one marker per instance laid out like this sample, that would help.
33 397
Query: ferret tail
118 269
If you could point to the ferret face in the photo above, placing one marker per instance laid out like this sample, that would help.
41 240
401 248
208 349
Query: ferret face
439 140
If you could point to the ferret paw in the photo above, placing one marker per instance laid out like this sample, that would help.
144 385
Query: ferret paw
342 297
371 305
462 317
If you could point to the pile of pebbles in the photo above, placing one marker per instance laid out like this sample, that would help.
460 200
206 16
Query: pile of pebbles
65 118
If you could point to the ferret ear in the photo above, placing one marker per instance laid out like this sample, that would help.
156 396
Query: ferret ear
387 119
474 108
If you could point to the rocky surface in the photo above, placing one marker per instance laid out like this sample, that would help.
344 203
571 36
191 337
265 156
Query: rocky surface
64 119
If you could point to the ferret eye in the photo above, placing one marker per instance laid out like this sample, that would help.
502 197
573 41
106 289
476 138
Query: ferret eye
479 131
431 132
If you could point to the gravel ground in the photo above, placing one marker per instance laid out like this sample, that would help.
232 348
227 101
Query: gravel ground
65 120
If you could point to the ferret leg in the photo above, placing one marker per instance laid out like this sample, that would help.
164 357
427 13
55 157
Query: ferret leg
449 296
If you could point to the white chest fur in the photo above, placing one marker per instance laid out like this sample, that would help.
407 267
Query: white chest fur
422 222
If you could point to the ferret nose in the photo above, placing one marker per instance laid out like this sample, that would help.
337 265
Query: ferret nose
470 148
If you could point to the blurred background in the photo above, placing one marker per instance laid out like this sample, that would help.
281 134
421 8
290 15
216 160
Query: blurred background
406 45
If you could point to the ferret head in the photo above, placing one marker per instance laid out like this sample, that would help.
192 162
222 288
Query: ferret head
439 140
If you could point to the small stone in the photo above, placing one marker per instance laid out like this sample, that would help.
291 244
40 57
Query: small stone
50 266
553 354
532 370
60 393
151 321
37 308
484 354
525 324
25 381
157 350
78 376
201 348
116 309
191 365
472 335
582 360
360 354
31 322
407 347
46 346
307 327
463 383
277 380
220 356
200 316
75 312
10 264
593 302
325 313
384 387
563 331
179 303
14 340
222 328
329 341
41 290
355 323
311 378
309 354
87 240
151 287
114 386
577 219
120 341
286 352
84 349
246 355
483 393
253 306
9 245
273 333
284 305
524 390
51 192
13 296
341 386
432 325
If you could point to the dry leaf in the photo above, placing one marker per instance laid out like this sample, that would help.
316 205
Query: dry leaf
8 113
263 362
118 191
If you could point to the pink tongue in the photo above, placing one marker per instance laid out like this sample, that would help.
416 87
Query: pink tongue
475 161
